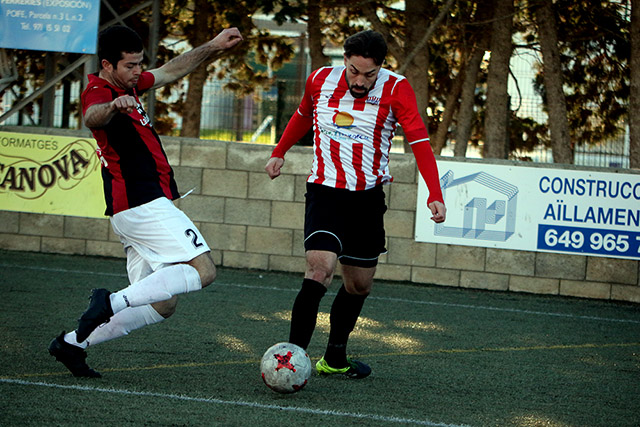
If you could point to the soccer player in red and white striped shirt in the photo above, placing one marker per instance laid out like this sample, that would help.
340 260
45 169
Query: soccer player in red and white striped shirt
354 111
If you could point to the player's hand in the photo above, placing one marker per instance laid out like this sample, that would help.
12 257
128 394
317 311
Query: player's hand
438 210
124 104
228 38
273 167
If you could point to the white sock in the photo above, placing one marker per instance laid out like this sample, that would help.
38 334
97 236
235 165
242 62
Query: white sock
158 286
124 322
118 326
70 338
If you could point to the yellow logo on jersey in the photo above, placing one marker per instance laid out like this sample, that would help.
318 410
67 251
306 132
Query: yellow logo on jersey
342 119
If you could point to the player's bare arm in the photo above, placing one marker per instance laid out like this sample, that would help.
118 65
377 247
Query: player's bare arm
273 167
182 65
99 115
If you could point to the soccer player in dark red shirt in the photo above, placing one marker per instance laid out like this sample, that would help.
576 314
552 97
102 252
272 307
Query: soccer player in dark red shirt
166 254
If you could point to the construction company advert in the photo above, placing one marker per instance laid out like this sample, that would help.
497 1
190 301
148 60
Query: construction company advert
535 209
51 25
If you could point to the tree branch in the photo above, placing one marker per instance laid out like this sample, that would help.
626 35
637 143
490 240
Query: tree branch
369 9
432 27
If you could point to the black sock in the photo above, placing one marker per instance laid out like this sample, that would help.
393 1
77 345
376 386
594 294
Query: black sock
345 311
305 312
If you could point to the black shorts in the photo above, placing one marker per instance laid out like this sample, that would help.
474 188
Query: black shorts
349 223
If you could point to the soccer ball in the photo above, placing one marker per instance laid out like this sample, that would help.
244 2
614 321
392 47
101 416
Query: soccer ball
286 368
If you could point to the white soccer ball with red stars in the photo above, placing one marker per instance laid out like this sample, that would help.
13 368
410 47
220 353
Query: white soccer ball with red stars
286 368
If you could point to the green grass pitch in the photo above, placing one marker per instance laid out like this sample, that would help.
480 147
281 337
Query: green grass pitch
440 356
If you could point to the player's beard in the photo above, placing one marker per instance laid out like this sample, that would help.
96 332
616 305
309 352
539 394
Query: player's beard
359 94
362 94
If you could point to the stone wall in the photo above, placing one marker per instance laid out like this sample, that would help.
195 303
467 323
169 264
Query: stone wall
253 222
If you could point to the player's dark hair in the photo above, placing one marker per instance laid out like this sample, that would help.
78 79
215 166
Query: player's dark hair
368 44
116 40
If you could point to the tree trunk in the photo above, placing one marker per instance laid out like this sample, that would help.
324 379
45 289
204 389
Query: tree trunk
440 139
552 72
238 110
634 96
314 28
49 96
66 103
197 79
417 72
467 101
466 114
497 112
193 103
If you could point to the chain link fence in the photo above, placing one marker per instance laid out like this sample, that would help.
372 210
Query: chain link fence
261 117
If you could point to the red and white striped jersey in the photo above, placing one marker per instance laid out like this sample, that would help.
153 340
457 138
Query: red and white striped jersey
352 136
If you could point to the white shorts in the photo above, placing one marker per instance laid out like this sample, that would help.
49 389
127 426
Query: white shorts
157 234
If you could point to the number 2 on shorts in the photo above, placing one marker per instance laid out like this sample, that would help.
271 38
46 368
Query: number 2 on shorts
194 237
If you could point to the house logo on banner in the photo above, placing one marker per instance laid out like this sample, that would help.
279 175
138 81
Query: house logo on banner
501 211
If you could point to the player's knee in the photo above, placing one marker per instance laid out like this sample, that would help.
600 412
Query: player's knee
320 272
320 275
358 280
166 308
321 266
359 289
208 274
206 268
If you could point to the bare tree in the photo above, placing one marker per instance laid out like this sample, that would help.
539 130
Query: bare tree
197 79
416 69
412 53
451 106
561 145
314 28
634 96
467 101
203 18
482 28
497 111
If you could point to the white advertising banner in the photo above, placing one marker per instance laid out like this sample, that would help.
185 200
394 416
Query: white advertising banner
535 209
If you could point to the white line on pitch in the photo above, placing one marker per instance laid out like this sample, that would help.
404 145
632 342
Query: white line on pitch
442 304
254 405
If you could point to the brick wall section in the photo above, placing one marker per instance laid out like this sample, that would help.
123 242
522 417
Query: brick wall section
253 222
